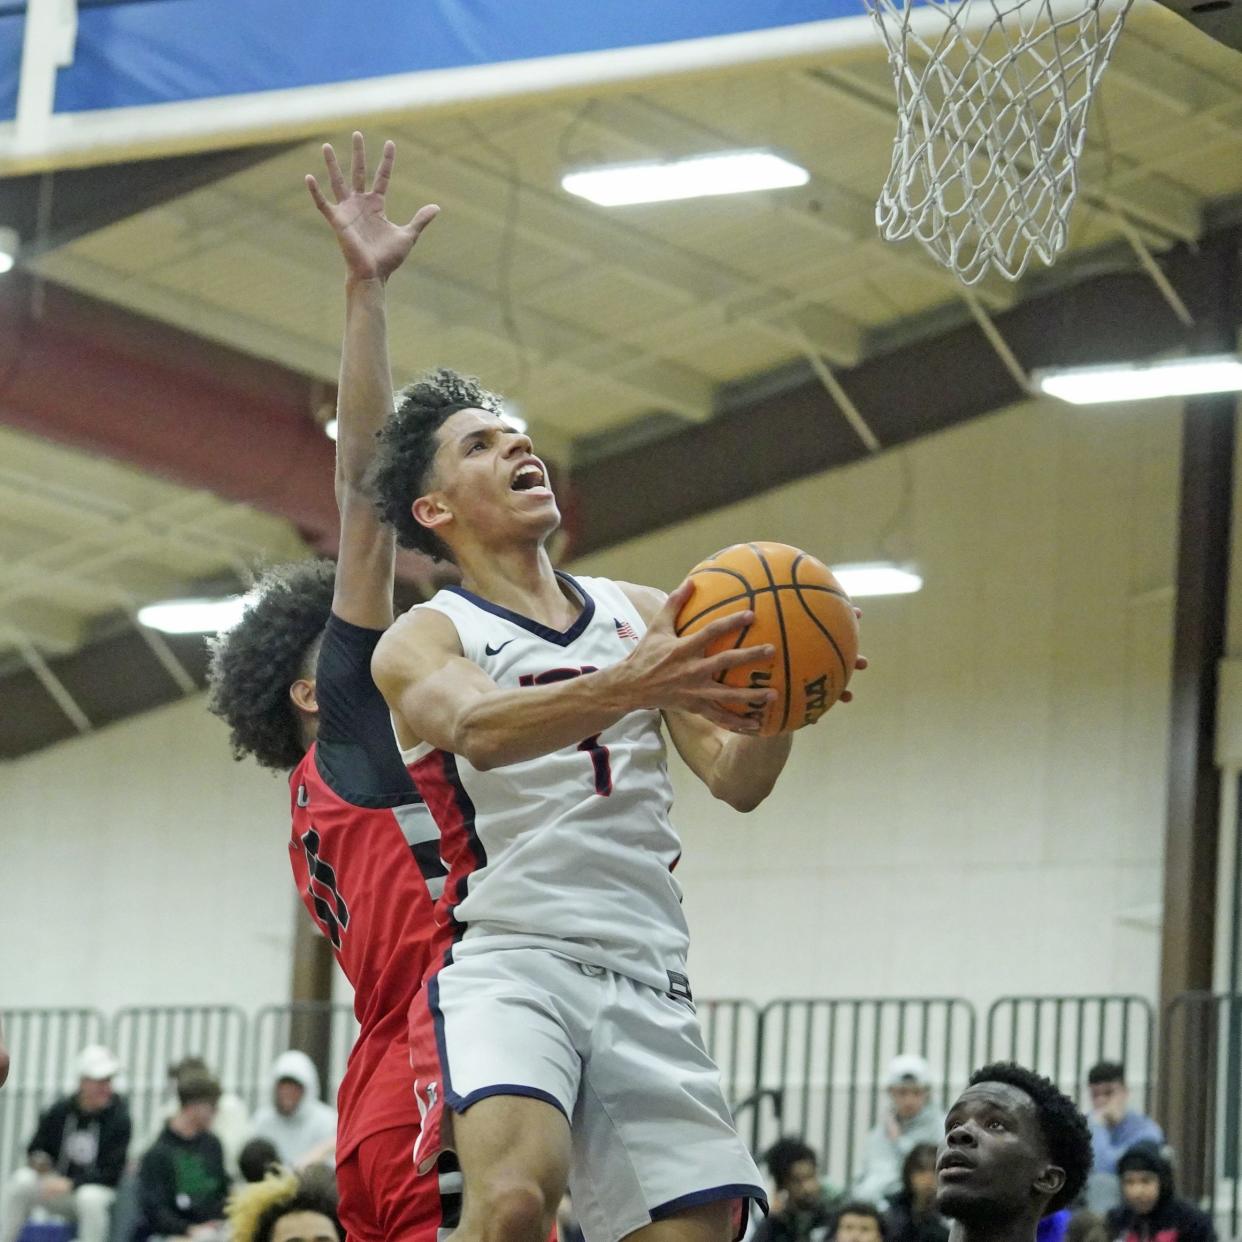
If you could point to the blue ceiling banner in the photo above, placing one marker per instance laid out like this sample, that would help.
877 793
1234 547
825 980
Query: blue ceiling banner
150 54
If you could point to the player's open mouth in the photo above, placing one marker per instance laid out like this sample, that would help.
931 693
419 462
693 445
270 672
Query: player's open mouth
529 477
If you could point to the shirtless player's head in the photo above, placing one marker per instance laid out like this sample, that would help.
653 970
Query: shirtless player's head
452 473
1015 1149
262 672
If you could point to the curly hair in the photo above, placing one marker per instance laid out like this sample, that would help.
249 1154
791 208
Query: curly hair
254 1210
407 448
253 665
783 1155
1065 1129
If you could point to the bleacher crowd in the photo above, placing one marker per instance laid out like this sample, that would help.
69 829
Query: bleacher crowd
211 1172
1130 1195
88 1175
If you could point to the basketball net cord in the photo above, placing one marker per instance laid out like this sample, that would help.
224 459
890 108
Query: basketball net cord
991 122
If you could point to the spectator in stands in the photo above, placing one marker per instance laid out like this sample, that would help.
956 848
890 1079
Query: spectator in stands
1150 1208
1115 1126
76 1155
182 1185
1015 1150
257 1159
859 1222
910 1119
282 1208
232 1123
802 1207
300 1125
912 1213
1087 1227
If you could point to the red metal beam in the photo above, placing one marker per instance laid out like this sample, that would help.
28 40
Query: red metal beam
104 380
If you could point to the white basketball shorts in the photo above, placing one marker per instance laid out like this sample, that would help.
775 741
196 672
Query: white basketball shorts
625 1064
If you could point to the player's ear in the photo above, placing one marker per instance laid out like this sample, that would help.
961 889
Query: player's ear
1050 1180
431 511
302 692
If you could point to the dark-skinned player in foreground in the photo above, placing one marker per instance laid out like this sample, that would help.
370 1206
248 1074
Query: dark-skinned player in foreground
1015 1149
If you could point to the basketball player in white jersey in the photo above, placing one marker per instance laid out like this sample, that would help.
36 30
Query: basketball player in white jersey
560 1030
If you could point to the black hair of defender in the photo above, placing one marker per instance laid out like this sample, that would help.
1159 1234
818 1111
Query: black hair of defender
253 665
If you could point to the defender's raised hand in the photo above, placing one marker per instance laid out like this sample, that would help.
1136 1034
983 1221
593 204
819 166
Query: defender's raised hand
373 246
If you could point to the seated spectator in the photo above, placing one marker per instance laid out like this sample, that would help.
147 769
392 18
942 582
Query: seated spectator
232 1123
76 1156
859 1222
1086 1227
182 1185
1115 1126
802 1207
282 1208
297 1122
912 1215
257 1159
1150 1208
910 1119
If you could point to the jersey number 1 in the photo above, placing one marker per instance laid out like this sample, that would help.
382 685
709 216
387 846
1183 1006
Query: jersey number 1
592 746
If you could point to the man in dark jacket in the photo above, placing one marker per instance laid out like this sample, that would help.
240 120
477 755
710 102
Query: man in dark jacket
182 1184
801 1208
1150 1210
75 1158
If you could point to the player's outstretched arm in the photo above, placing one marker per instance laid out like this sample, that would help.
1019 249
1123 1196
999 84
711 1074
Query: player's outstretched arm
441 698
738 769
373 248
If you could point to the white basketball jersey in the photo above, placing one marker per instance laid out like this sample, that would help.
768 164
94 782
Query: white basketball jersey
572 851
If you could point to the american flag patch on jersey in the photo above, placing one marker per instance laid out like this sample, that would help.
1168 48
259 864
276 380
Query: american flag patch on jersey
625 630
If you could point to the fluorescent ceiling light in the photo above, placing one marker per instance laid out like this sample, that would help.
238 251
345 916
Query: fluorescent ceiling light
877 578
329 429
194 616
1176 377
727 172
8 248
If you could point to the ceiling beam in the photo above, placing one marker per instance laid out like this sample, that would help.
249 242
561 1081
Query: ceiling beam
927 385
50 209
92 376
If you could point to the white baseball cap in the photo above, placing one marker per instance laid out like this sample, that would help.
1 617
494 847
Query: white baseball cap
908 1070
97 1062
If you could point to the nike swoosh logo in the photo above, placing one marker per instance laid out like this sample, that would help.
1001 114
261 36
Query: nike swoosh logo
490 650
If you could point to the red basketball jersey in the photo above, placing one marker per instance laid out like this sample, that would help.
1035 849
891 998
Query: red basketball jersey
358 872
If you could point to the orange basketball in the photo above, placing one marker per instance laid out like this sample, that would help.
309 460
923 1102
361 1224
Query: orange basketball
799 608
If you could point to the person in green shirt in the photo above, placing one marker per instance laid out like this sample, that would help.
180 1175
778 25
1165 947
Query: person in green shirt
182 1185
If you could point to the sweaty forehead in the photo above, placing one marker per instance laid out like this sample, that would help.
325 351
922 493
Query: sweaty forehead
463 422
998 1095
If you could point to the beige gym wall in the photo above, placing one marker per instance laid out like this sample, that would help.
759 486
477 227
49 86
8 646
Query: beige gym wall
985 819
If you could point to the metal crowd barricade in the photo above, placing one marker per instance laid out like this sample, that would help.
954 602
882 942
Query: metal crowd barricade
731 1033
1062 1037
324 1031
1200 1100
822 1064
150 1039
44 1044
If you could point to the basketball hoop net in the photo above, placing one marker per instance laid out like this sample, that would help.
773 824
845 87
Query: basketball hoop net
991 120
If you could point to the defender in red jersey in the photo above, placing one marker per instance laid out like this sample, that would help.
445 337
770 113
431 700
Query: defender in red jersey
293 681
